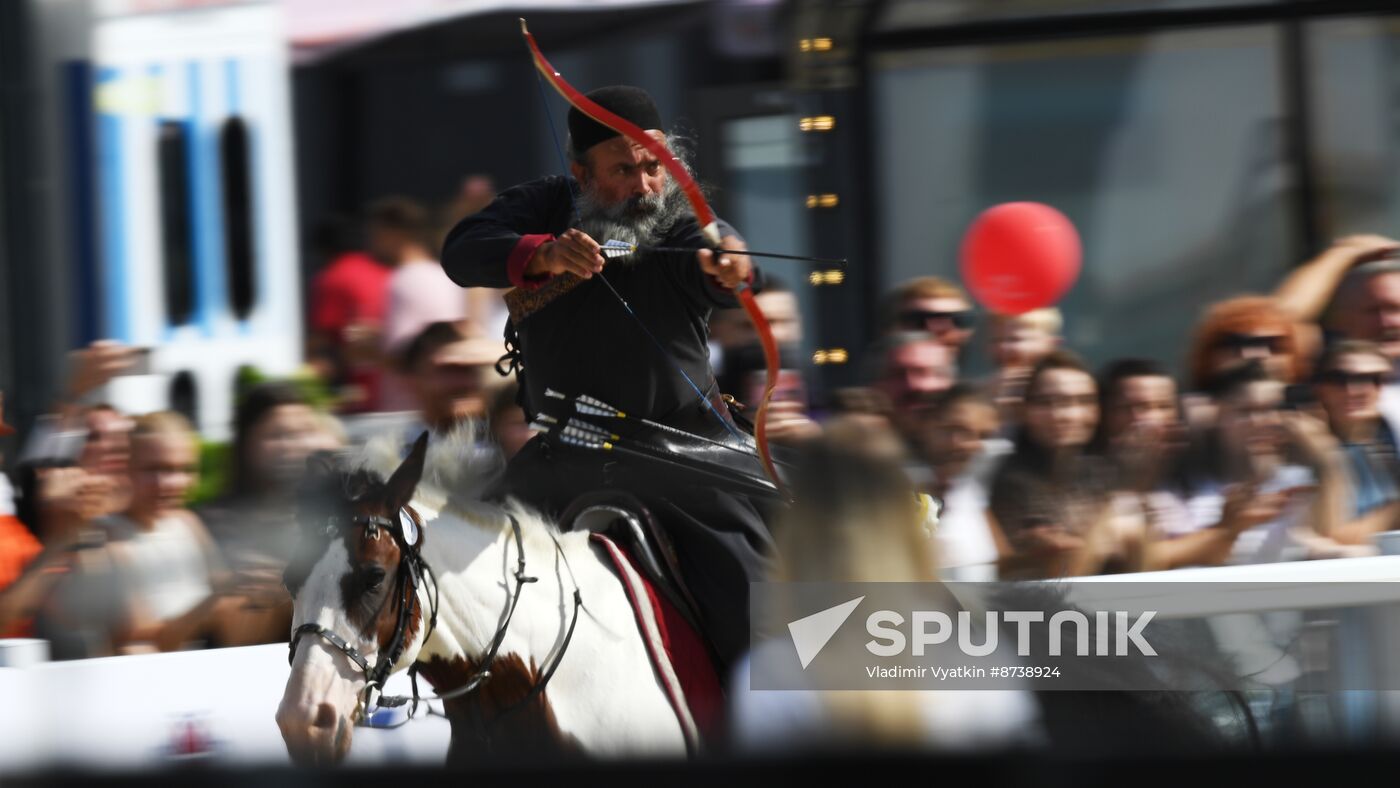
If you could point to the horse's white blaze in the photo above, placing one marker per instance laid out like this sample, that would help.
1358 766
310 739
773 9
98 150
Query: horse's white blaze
321 673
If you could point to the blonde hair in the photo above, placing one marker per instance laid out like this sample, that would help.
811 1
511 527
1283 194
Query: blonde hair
162 423
855 519
919 287
1048 320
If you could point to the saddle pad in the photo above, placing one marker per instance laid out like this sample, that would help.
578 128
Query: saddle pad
679 656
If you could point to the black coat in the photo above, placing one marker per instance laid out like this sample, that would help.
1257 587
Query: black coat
584 341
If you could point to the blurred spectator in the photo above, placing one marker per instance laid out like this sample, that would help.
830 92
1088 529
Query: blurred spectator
1049 501
166 565
486 306
866 431
1143 437
1241 329
1348 385
934 305
419 292
1019 342
1242 485
56 504
254 525
732 332
1367 307
57 497
741 369
474 193
139 580
854 519
910 367
17 544
1308 290
962 448
1233 332
447 373
348 301
96 435
509 428
86 475
1140 429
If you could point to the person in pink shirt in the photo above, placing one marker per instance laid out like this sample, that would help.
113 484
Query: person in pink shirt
420 294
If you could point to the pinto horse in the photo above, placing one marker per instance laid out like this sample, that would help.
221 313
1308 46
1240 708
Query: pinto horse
525 631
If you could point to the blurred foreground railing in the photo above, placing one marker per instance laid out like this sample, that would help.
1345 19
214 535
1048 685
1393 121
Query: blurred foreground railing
138 712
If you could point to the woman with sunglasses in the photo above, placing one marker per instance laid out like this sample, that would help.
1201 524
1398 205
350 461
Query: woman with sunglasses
1244 329
1347 386
1234 332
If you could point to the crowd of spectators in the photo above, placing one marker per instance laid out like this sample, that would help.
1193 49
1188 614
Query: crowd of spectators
1276 443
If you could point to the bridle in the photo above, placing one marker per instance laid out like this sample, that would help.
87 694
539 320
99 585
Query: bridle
413 573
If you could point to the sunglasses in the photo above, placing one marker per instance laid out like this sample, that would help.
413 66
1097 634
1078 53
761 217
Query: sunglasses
1337 377
919 318
1273 343
1058 401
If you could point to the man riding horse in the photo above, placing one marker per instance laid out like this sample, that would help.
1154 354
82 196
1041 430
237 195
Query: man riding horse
631 332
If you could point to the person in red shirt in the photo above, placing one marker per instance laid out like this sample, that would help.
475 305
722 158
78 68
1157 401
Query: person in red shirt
17 545
348 301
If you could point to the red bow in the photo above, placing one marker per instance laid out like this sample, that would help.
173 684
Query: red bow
709 228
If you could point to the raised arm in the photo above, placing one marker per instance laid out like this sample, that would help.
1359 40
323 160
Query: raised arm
1307 291
494 247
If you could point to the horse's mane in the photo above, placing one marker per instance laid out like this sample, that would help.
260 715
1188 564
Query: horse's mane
460 469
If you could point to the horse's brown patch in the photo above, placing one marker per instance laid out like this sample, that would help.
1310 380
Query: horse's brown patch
493 717
384 552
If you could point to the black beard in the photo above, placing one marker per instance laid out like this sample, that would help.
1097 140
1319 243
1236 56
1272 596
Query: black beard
643 220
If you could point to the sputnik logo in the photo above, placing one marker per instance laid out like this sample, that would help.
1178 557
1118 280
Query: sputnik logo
810 634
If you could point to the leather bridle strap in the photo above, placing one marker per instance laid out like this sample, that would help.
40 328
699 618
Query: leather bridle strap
417 572
332 638
484 672
412 571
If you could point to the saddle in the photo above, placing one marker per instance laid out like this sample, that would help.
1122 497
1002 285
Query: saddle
623 518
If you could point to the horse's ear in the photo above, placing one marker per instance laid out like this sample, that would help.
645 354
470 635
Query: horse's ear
404 482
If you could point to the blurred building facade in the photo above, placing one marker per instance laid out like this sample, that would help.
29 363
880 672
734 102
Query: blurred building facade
1202 147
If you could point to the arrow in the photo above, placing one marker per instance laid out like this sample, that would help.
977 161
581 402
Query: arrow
615 248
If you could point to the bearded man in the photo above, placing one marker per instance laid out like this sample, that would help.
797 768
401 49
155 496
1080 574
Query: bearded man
571 334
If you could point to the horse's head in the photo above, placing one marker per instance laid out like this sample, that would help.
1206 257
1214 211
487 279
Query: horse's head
359 599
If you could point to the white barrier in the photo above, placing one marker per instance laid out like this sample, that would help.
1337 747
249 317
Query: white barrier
143 711
140 711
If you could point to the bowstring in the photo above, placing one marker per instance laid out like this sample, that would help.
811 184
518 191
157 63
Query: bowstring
578 220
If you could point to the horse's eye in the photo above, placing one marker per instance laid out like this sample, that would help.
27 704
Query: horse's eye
372 576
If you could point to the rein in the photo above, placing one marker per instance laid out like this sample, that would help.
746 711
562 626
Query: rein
418 572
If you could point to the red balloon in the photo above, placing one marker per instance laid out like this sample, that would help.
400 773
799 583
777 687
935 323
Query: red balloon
1020 256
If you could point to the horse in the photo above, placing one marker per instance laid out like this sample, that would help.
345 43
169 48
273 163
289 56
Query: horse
524 630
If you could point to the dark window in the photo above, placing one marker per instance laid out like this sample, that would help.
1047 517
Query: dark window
238 216
176 233
184 397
